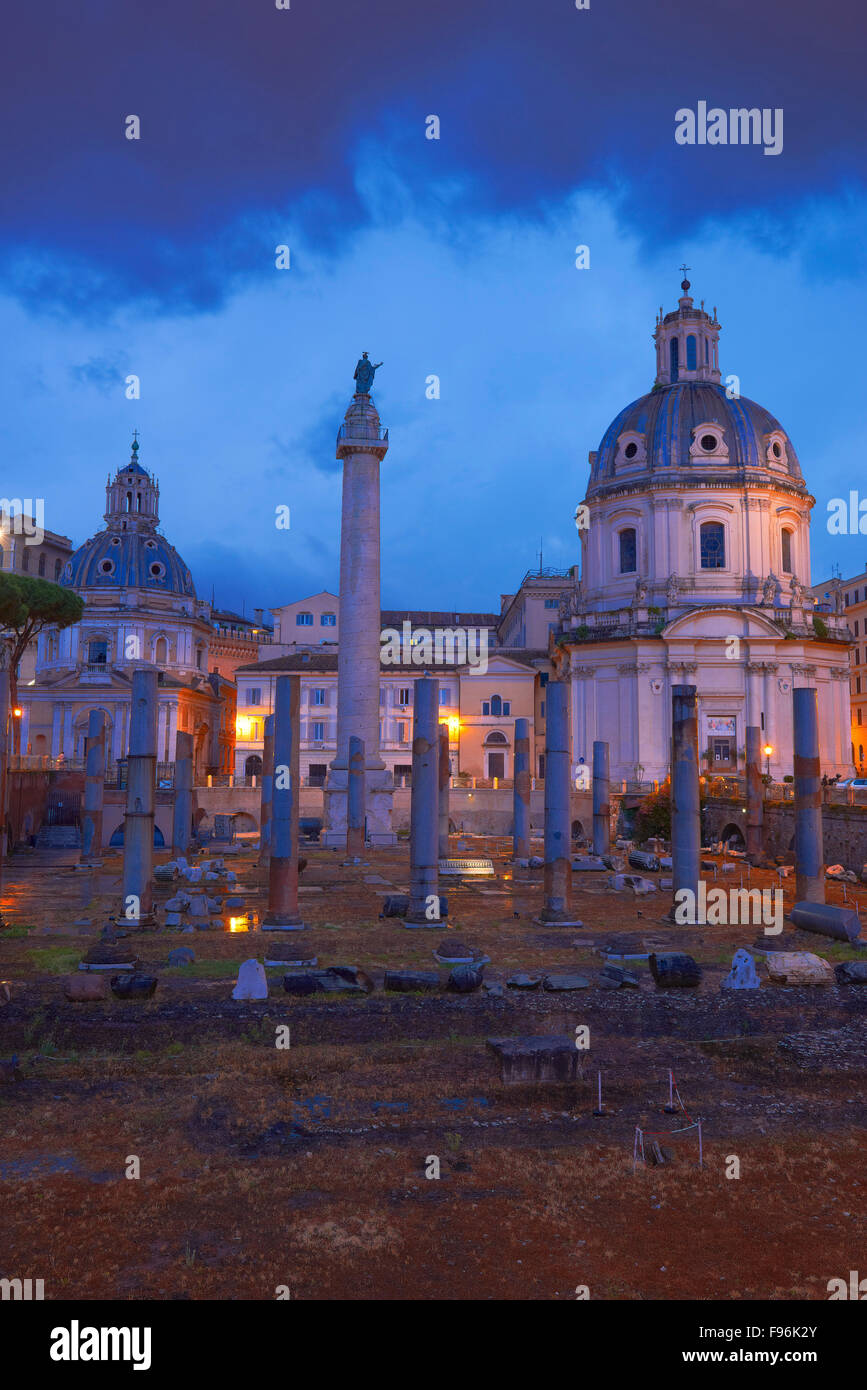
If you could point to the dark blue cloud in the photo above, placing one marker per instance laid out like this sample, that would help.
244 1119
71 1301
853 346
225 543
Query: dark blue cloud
250 112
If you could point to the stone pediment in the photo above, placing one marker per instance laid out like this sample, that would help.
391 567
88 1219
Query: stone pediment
722 622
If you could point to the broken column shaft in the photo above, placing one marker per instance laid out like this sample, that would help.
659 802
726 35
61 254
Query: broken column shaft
94 790
521 791
267 791
138 835
355 806
444 777
601 800
282 914
424 805
182 816
755 801
558 818
685 806
809 856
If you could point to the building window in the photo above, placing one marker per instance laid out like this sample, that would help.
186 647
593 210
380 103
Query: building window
543 679
445 695
690 353
712 544
403 695
552 603
57 567
856 627
42 562
25 559
628 547
496 706
857 685
161 651
541 709
401 731
254 695
303 619
787 552
328 620
318 695
318 732
97 652
486 708
673 355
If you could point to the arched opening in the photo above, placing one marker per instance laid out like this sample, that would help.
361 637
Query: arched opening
496 708
161 651
712 545
129 501
577 830
496 744
733 837
116 840
673 356
253 766
691 359
244 824
57 567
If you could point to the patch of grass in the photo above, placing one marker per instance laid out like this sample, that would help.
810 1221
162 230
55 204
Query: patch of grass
54 960
204 970
16 933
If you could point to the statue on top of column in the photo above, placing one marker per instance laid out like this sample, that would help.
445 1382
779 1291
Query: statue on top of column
365 370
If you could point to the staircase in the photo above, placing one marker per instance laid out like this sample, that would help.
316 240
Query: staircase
58 837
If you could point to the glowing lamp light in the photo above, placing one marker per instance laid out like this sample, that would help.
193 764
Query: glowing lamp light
238 924
243 727
454 724
767 750
17 713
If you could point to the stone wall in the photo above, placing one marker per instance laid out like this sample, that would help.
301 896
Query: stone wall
844 829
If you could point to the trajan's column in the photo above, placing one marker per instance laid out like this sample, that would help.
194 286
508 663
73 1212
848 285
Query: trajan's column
361 445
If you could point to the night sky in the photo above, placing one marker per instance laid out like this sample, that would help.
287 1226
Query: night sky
455 257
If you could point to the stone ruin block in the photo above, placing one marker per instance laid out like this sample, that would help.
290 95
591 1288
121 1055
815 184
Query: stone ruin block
551 1057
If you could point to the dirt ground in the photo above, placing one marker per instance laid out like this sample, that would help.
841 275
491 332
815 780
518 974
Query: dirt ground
305 1169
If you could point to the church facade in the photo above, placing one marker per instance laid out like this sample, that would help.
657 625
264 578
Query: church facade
695 546
141 609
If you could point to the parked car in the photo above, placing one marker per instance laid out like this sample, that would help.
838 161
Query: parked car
858 784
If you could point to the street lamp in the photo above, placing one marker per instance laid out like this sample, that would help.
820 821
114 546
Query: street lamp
768 750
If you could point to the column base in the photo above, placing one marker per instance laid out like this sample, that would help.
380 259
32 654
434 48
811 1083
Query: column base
282 921
87 864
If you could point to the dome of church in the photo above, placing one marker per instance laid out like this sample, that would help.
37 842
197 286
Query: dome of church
129 560
130 553
690 424
691 421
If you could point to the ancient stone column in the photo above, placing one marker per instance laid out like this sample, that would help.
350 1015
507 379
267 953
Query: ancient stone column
601 799
685 808
267 791
282 914
444 776
755 800
138 835
5 652
94 790
521 791
558 818
182 815
355 821
809 856
424 806
361 446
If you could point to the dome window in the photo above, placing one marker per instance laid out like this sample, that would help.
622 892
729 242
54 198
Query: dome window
631 450
628 550
115 540
691 358
709 443
106 566
151 545
786 539
157 570
712 545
